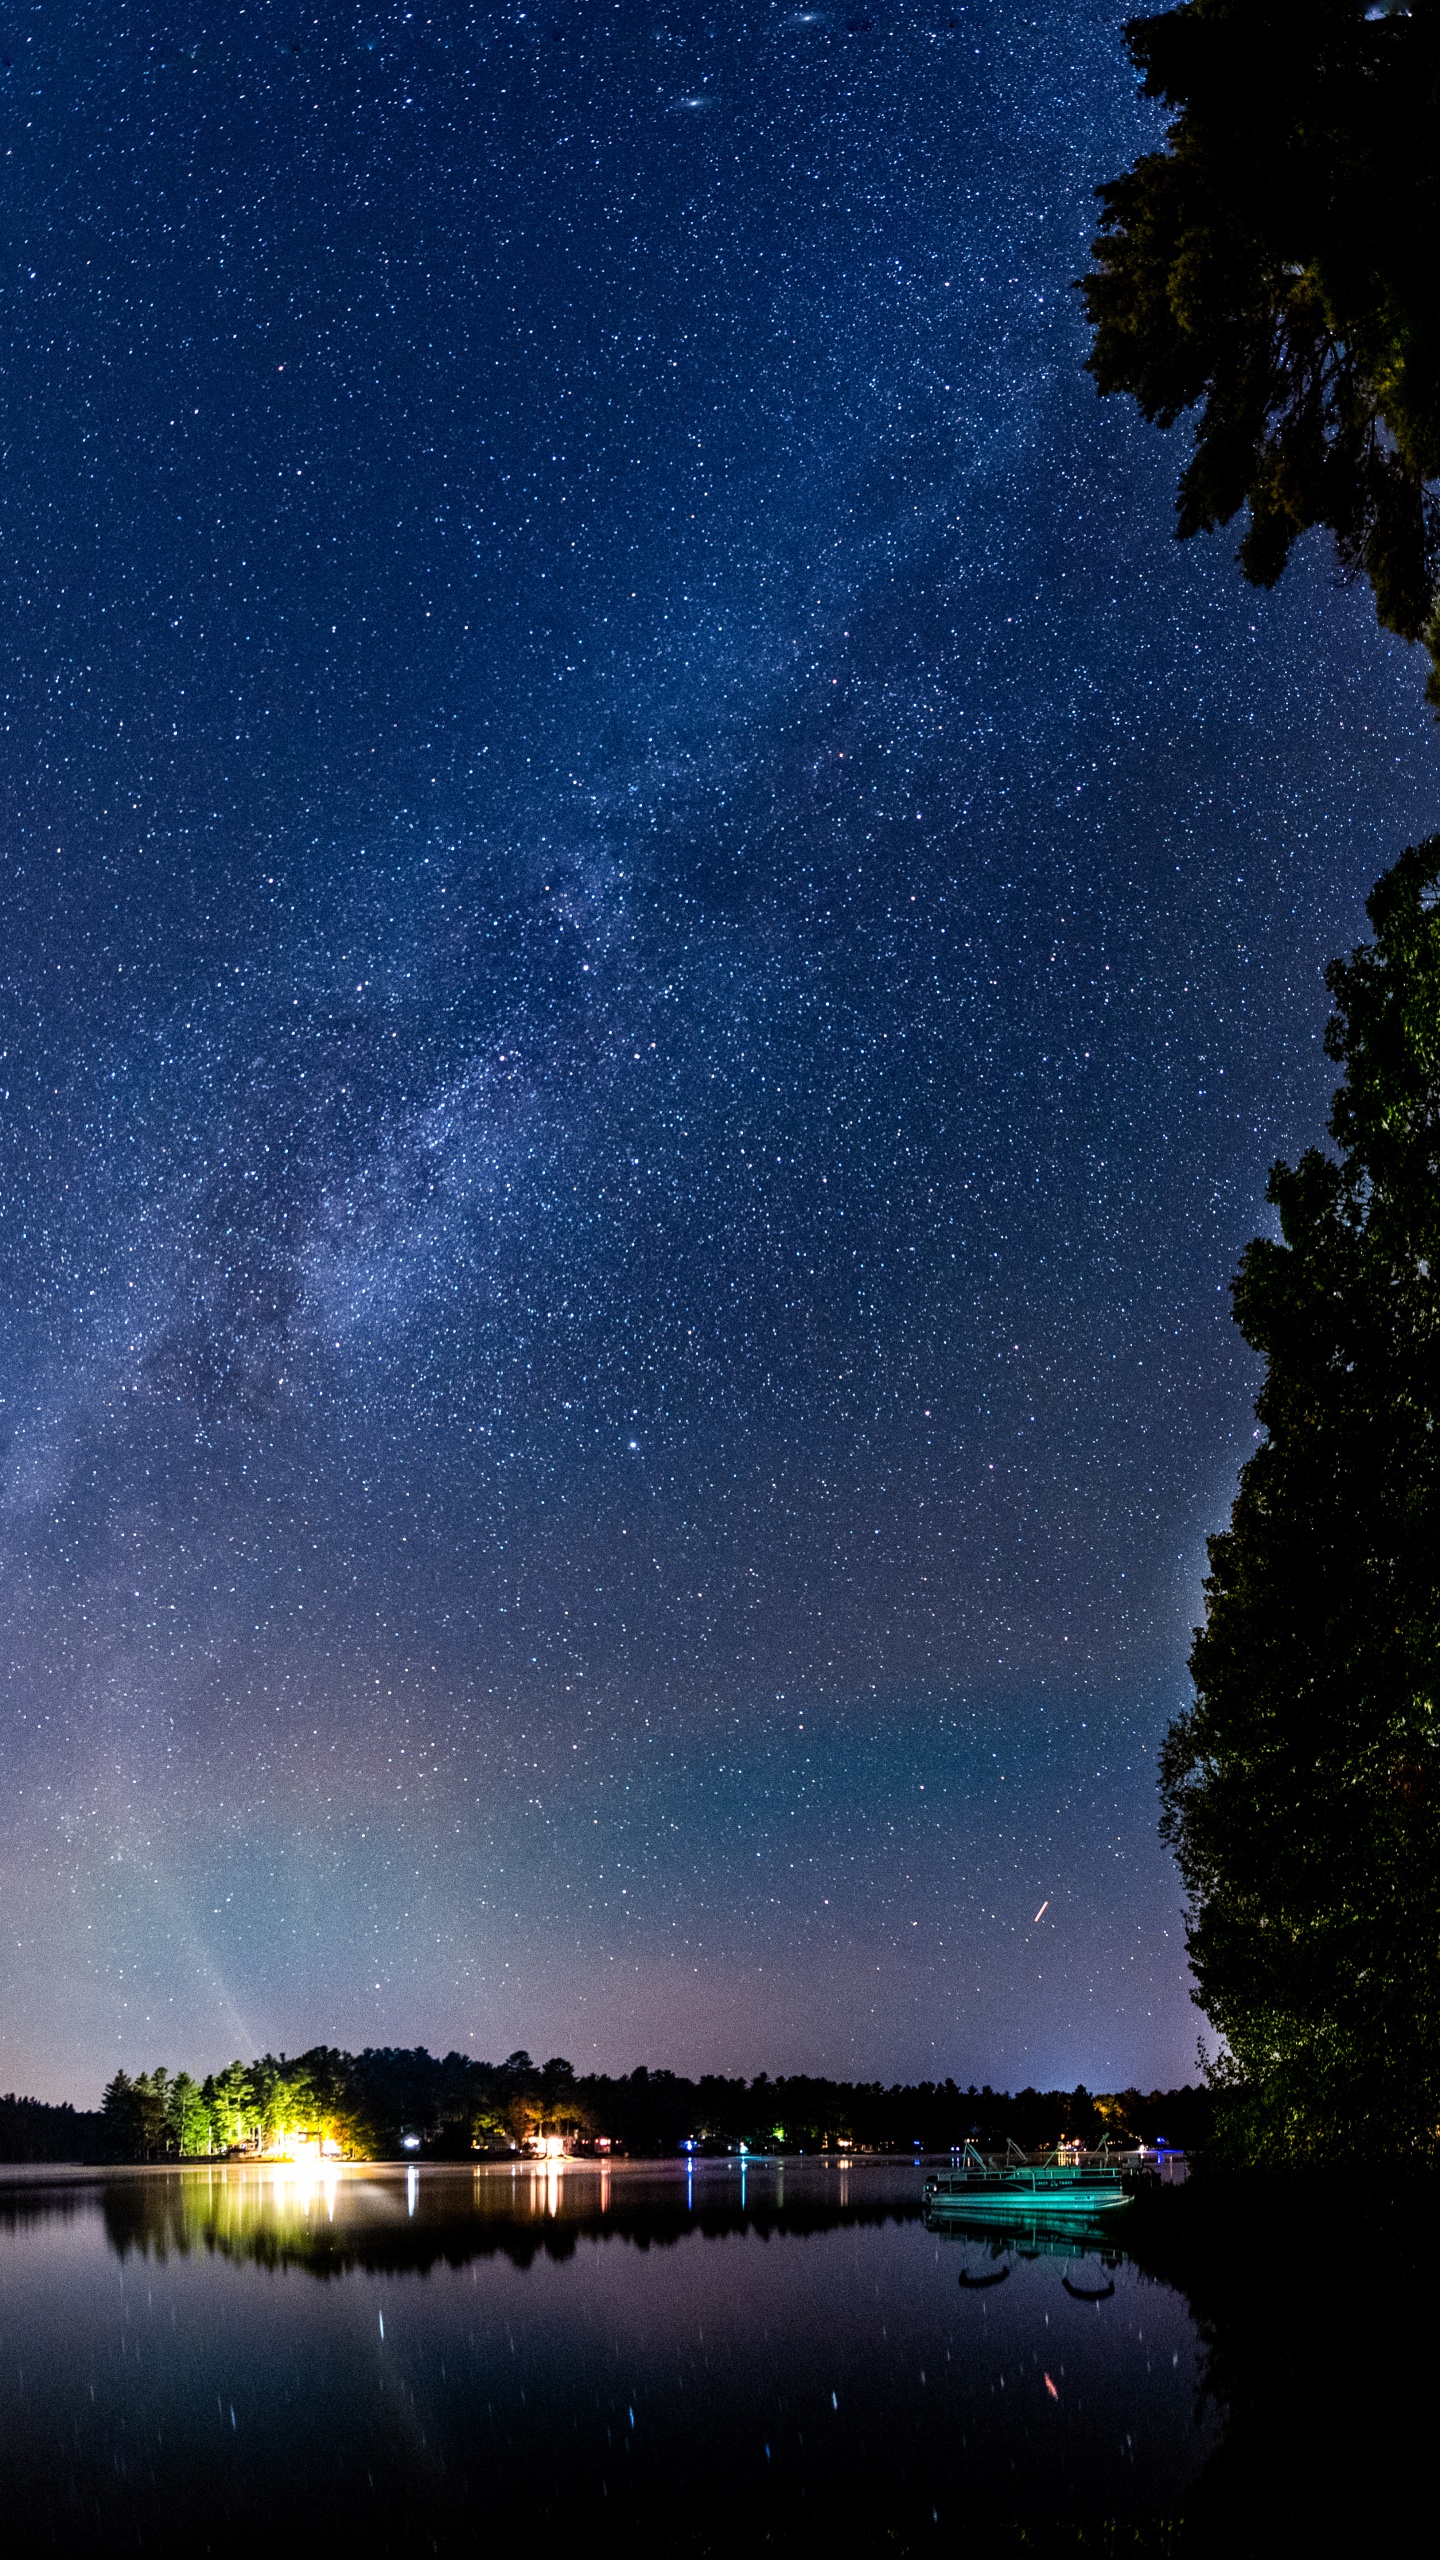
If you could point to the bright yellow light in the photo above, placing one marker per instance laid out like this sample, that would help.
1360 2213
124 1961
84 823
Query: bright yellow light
304 2151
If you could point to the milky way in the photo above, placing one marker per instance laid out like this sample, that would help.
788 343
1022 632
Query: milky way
656 940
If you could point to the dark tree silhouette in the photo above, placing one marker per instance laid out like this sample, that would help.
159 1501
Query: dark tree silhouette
1274 267
1302 1789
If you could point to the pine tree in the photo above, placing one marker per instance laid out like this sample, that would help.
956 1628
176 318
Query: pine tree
1302 1789
152 2100
124 2126
231 2102
187 2117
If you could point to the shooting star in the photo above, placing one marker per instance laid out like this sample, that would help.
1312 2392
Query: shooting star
1044 1907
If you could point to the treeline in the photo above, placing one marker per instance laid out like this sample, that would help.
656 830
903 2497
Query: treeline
31 2130
392 2102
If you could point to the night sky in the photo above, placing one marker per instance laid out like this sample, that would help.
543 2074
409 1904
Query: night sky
655 942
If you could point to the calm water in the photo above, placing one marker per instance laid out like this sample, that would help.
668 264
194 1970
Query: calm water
720 2361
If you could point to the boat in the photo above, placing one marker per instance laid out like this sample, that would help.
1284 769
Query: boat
1065 2181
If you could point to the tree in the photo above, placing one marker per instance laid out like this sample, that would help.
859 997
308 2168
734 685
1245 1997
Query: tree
558 2105
121 2116
1302 1789
187 2117
517 2100
152 2099
1274 267
284 2103
231 2101
323 2097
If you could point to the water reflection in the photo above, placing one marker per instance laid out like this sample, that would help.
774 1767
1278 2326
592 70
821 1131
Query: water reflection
716 2358
328 2219
990 2252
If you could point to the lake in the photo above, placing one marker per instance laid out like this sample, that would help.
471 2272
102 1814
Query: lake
715 2359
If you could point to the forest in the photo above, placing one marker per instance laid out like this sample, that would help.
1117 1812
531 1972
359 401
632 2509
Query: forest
396 2102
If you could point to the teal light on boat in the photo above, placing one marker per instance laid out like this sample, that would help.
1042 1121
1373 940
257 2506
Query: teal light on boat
1065 2181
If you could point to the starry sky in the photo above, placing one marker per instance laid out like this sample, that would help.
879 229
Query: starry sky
655 940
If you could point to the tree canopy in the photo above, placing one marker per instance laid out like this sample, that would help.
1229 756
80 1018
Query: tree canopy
1302 1789
400 2101
1274 267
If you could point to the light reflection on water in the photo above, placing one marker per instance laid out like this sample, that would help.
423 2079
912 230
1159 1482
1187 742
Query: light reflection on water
407 2359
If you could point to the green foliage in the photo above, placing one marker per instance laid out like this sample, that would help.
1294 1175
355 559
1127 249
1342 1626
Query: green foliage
143 2117
1274 267
231 2101
187 2117
457 2106
1302 1790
